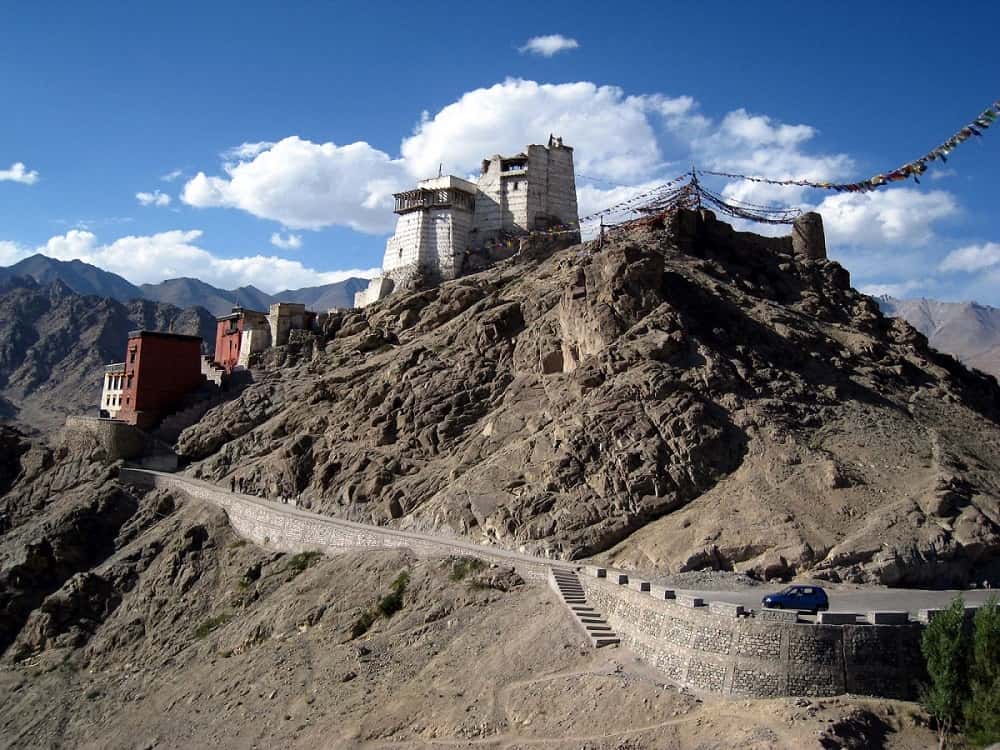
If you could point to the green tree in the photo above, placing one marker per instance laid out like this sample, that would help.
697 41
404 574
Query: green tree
982 710
945 646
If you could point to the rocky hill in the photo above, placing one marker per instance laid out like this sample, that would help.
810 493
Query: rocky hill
719 407
968 330
142 621
54 344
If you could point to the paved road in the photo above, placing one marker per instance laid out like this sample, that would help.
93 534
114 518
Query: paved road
859 600
847 599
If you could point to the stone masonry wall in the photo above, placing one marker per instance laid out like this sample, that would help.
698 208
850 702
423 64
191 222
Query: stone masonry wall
118 439
287 529
743 656
711 648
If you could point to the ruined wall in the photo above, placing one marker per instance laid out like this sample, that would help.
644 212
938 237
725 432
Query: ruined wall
715 650
118 440
378 288
287 529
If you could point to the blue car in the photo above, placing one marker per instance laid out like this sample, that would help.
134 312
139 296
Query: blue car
811 598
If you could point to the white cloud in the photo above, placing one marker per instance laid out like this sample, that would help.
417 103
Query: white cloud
891 216
11 252
306 185
612 134
548 45
291 242
172 175
972 258
627 142
900 290
153 258
246 151
156 198
19 173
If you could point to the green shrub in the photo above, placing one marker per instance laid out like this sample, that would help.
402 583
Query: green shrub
363 623
386 606
392 602
945 645
982 710
211 624
464 567
302 561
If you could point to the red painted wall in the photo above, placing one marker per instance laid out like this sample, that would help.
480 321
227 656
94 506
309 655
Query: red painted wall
228 335
160 369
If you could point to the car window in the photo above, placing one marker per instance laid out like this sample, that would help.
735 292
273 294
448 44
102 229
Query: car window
810 592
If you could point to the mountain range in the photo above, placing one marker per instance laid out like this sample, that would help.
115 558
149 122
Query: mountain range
54 343
84 278
966 330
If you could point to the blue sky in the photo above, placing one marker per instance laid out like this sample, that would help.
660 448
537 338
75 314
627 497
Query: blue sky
112 105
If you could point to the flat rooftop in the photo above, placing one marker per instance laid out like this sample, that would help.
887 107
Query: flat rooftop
143 334
445 182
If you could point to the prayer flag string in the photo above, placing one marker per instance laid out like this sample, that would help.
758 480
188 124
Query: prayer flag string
912 169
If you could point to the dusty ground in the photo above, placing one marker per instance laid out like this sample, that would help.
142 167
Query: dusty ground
463 663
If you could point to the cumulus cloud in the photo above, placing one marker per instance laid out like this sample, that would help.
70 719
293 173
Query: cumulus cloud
291 242
153 258
19 173
11 252
891 216
306 185
612 133
626 143
156 198
972 258
246 150
548 45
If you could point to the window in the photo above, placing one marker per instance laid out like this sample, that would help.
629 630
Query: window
128 384
131 356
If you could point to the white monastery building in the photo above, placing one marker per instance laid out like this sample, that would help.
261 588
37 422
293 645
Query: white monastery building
446 218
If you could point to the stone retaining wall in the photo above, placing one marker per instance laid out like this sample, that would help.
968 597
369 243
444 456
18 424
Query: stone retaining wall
705 646
288 529
717 650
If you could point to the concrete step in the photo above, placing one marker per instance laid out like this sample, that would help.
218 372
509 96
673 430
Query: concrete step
601 641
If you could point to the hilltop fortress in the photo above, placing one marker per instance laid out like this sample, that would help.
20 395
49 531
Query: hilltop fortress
446 219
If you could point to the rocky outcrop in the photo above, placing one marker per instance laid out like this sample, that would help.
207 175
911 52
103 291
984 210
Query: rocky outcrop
722 407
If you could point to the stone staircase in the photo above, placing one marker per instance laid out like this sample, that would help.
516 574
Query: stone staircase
567 585
195 407
211 370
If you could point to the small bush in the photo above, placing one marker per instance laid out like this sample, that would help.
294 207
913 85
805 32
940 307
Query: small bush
392 602
944 645
386 606
302 561
464 567
211 624
982 711
363 623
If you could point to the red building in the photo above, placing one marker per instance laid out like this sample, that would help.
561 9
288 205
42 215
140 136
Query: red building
229 335
160 370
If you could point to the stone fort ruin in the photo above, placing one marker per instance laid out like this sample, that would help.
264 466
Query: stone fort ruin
446 219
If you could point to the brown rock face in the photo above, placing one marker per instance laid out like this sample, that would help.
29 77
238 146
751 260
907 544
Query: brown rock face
674 410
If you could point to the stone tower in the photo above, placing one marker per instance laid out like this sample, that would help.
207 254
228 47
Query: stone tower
532 190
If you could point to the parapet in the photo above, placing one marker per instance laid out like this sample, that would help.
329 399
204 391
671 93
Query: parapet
693 228
721 648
